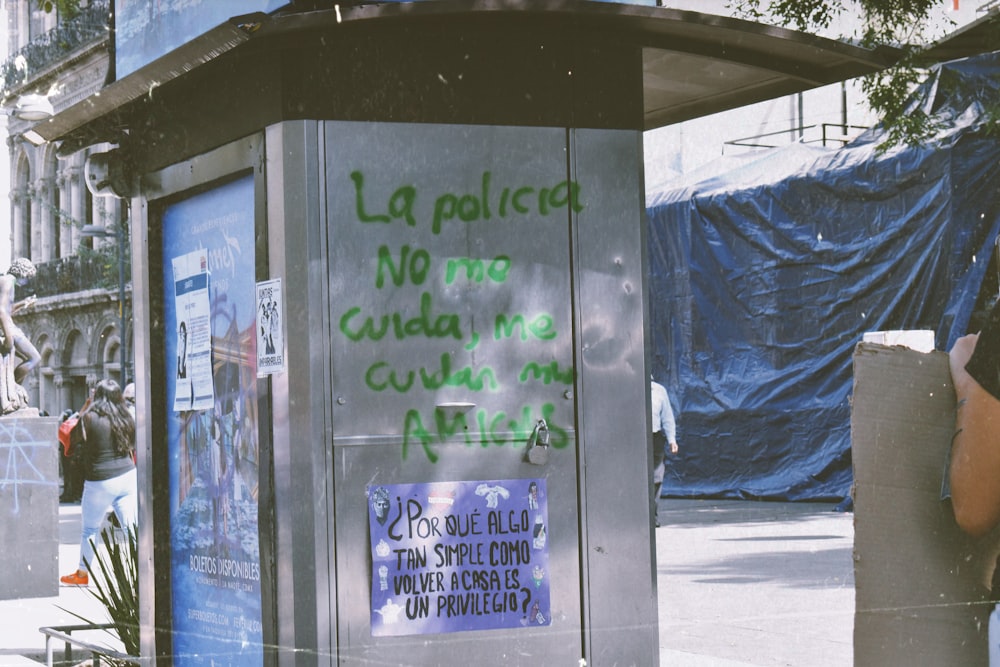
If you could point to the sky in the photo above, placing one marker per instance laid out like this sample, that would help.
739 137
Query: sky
684 147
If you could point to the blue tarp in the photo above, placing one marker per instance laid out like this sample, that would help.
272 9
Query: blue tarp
766 275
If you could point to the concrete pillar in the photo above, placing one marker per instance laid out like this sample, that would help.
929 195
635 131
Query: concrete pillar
63 397
34 231
14 194
32 385
30 503
46 223
76 202
17 222
103 216
63 227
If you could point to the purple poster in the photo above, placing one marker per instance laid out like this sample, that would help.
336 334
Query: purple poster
454 556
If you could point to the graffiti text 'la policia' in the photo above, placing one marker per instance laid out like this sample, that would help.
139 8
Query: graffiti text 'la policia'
471 207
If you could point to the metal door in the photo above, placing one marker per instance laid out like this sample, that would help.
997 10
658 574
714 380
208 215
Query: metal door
452 315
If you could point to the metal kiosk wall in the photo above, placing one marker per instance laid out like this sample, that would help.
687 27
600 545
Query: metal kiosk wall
439 307
432 337
405 419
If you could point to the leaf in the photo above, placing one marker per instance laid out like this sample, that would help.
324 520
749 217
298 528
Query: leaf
900 24
115 578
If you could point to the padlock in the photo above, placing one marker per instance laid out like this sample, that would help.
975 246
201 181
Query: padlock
538 444
543 433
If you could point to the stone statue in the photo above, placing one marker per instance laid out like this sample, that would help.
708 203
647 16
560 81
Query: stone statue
17 354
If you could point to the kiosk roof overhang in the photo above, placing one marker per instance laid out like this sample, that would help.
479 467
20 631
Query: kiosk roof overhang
980 36
693 64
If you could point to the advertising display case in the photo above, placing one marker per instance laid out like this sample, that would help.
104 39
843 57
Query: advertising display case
203 225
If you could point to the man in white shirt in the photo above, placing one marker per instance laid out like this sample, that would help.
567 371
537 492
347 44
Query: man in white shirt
664 433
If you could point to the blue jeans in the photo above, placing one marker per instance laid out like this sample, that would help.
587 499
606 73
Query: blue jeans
120 493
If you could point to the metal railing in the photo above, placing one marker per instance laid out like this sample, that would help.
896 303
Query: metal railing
64 633
757 140
89 26
73 274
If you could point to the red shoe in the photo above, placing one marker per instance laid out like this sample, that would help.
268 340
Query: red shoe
78 578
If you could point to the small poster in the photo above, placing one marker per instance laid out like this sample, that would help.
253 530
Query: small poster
456 556
270 328
194 387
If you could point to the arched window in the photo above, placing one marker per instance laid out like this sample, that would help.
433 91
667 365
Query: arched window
40 21
23 192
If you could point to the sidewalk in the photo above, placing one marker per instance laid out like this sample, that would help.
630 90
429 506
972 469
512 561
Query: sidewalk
740 584
20 619
755 584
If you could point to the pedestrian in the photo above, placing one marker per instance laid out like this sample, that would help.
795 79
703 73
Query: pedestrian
109 470
974 360
664 434
974 468
70 463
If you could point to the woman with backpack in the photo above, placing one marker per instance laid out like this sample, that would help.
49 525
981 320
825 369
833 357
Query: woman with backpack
109 474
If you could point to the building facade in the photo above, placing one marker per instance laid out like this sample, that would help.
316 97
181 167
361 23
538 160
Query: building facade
77 320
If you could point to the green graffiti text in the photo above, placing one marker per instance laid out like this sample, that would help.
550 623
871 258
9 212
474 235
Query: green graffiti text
493 430
539 326
479 206
427 324
547 374
381 376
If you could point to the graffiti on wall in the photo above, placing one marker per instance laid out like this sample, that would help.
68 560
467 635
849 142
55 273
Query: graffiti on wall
408 297
19 452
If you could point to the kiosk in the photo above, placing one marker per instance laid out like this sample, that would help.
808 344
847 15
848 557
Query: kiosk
389 272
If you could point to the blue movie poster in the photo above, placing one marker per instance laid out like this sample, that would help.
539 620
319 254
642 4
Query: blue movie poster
209 319
455 556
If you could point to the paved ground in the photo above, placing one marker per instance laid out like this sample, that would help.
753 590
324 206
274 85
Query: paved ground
741 584
20 619
755 584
